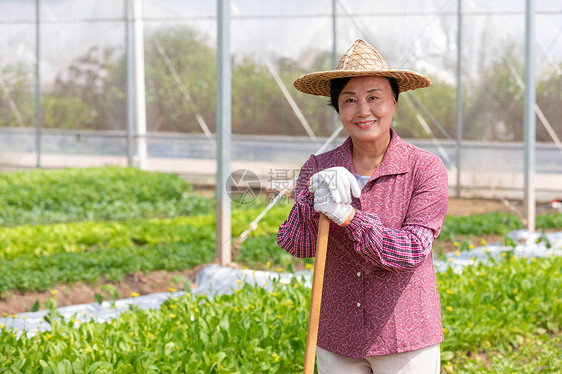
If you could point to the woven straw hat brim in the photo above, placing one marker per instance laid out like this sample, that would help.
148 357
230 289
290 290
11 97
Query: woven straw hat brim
318 83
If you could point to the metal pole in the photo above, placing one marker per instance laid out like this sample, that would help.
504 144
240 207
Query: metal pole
529 116
37 84
130 84
223 125
459 124
334 55
140 96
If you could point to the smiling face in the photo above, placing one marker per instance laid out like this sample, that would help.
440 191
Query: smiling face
366 107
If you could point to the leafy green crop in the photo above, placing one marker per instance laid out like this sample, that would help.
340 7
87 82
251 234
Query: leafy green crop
79 237
495 311
37 274
549 221
499 307
33 258
263 253
480 224
509 312
108 193
494 223
252 331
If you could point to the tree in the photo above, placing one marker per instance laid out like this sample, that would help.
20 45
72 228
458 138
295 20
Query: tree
439 100
260 107
83 96
494 109
549 99
180 70
179 64
17 104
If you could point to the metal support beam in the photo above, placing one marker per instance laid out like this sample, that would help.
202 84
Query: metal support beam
130 84
38 83
529 129
459 124
335 115
223 131
140 96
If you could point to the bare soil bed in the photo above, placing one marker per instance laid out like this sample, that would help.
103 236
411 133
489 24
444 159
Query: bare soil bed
161 281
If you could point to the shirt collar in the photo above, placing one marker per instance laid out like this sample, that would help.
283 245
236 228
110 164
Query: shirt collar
395 160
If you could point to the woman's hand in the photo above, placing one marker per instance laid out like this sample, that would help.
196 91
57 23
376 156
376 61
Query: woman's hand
340 213
338 181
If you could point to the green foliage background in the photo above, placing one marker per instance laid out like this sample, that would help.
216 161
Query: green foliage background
180 63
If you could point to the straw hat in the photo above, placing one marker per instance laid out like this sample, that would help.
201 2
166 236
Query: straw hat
360 60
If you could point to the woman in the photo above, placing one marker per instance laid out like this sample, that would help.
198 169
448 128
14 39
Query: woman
386 200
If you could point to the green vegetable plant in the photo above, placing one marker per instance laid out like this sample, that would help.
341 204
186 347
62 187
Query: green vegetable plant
480 224
109 290
500 318
252 330
497 309
100 224
37 257
108 193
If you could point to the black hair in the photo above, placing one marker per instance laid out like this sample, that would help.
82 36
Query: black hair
395 88
337 85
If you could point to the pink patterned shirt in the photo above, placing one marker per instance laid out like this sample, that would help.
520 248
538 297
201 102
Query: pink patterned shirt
380 293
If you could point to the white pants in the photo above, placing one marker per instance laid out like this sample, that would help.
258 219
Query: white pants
422 361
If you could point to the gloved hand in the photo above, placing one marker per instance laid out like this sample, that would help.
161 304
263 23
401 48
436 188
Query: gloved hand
339 182
324 203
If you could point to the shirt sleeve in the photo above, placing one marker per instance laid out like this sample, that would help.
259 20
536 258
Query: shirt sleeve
298 234
428 204
405 248
392 249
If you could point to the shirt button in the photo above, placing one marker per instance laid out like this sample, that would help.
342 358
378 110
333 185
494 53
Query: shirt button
358 305
358 273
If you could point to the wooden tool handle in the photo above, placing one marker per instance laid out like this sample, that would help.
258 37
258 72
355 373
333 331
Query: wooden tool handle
316 297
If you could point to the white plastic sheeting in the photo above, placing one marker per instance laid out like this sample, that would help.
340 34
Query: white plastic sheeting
219 279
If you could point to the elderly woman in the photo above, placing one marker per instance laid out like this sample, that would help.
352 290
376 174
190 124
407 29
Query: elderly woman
386 200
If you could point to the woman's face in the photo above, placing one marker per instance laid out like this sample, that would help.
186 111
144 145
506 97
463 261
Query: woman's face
366 107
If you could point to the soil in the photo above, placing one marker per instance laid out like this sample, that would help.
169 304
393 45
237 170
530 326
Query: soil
83 293
161 281
466 207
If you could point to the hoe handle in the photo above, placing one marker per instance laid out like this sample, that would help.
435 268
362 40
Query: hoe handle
316 297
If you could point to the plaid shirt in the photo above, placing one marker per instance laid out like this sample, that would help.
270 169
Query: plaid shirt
380 293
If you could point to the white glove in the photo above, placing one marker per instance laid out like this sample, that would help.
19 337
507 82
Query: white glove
324 203
340 183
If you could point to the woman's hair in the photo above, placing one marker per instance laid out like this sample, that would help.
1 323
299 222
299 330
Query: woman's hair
337 85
